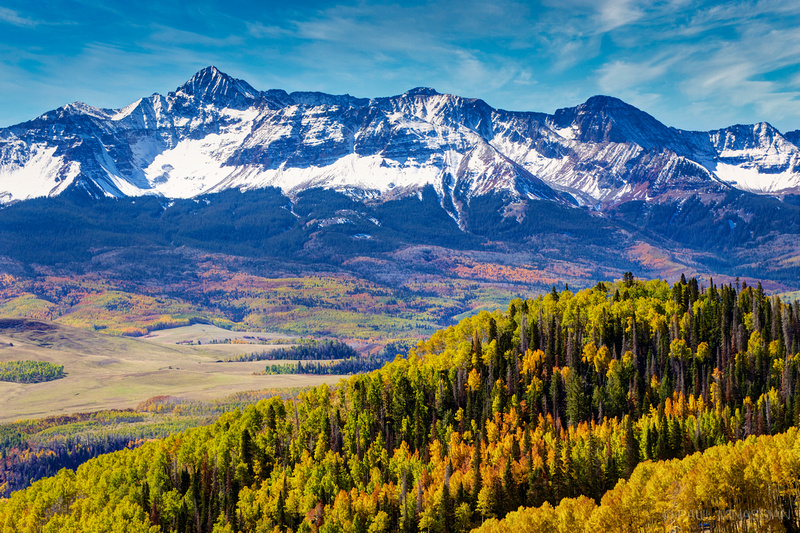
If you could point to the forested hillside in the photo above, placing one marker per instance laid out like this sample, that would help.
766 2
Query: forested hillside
749 485
559 397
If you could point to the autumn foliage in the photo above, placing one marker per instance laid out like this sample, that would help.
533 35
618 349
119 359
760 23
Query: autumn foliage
635 406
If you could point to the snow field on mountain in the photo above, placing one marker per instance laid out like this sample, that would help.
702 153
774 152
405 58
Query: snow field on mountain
748 178
41 173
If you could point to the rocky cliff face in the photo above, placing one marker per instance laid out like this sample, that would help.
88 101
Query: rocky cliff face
216 132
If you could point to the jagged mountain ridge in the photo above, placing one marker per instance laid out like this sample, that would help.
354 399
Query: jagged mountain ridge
216 132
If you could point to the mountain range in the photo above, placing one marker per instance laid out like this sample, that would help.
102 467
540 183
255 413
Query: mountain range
724 198
216 132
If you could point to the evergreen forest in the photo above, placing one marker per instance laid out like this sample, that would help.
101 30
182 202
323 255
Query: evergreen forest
629 406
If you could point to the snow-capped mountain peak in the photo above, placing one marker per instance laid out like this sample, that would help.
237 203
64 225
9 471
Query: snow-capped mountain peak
420 91
212 86
604 119
216 132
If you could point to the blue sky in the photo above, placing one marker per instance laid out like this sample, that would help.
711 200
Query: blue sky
693 65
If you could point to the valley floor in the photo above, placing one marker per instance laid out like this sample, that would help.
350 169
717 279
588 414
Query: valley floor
105 372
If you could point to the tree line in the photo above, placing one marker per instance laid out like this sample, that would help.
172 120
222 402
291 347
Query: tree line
339 367
314 351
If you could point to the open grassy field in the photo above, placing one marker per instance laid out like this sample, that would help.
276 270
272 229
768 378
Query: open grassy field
108 372
206 333
219 343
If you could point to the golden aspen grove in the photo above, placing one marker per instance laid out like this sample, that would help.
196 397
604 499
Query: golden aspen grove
630 406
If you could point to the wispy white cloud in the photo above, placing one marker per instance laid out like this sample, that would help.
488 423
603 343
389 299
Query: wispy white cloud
632 81
442 45
725 59
736 73
668 55
10 16
14 17
619 76
261 31
177 37
690 63
101 75
617 13
705 18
